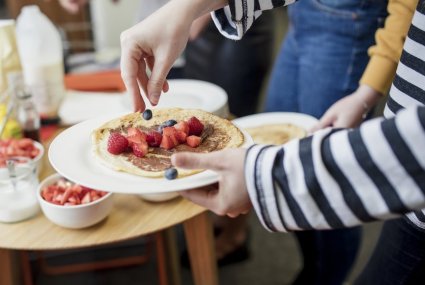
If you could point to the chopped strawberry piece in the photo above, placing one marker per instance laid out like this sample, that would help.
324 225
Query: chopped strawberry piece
193 141
174 139
117 143
182 126
154 138
167 142
181 136
195 126
168 131
86 199
140 149
135 135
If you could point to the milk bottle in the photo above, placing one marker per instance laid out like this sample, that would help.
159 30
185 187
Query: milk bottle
41 52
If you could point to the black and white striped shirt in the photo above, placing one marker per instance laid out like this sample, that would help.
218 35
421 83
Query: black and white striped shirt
342 178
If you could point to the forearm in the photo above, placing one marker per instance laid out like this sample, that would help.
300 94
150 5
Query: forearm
343 178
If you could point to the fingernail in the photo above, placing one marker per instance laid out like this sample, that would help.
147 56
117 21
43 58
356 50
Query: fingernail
154 98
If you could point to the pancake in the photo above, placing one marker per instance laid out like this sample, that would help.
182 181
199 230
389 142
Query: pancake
276 133
218 134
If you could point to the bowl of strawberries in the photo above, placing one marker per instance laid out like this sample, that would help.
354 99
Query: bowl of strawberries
71 205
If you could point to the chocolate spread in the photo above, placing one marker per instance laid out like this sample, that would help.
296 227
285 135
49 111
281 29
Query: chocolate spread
158 159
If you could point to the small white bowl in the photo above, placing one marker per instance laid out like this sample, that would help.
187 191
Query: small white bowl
160 197
74 217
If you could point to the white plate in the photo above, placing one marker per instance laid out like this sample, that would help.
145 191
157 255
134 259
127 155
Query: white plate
79 106
71 155
192 94
298 119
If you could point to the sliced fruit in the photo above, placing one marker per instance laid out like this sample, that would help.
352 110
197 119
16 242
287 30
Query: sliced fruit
168 131
181 136
140 149
167 142
195 126
153 138
193 141
134 135
182 126
117 143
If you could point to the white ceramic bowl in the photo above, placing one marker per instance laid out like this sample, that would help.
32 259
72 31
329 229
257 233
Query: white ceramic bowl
74 217
161 197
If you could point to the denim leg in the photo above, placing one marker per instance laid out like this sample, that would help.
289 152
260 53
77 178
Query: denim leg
282 91
398 258
328 255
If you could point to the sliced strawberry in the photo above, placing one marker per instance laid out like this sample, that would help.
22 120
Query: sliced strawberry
181 136
117 143
182 126
86 199
140 149
168 131
167 142
195 126
134 135
193 141
154 138
174 139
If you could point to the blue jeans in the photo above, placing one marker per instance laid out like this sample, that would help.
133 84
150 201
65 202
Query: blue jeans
321 60
398 258
324 53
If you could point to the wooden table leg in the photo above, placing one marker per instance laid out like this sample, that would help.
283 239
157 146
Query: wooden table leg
9 270
173 262
200 244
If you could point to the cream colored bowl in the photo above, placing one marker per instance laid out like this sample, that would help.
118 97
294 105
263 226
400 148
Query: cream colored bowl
74 217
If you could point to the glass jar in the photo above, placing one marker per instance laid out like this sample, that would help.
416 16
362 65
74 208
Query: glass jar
18 187
27 115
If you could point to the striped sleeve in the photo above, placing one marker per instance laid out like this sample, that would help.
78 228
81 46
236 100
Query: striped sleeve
235 19
341 178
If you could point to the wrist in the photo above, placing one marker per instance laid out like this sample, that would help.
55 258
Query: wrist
368 95
197 8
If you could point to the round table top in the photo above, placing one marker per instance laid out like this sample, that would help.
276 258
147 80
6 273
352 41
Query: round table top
130 217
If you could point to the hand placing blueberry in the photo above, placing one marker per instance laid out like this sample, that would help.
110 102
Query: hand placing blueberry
147 114
171 173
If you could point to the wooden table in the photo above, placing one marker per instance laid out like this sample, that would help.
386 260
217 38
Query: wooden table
130 218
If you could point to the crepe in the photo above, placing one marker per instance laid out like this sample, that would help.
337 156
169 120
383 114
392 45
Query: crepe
218 134
275 133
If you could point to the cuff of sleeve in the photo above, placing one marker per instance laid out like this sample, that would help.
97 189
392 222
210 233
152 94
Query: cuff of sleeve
255 164
379 74
230 25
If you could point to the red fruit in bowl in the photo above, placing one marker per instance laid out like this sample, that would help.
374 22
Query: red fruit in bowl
169 131
140 149
195 127
154 138
117 143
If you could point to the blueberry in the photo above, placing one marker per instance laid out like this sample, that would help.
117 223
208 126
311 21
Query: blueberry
147 114
171 173
170 123
160 128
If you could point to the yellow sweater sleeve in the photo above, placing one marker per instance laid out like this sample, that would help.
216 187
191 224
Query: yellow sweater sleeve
385 54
